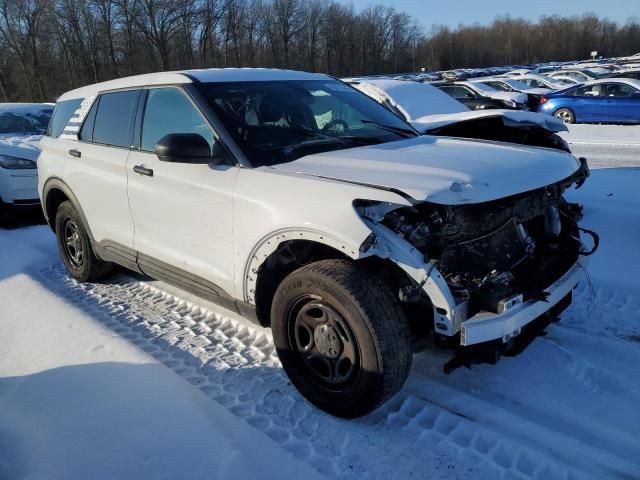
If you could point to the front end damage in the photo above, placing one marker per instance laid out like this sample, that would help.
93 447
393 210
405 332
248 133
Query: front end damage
485 270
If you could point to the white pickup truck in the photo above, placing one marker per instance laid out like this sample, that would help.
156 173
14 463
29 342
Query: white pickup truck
296 200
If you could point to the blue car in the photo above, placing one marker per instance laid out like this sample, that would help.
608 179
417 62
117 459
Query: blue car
610 100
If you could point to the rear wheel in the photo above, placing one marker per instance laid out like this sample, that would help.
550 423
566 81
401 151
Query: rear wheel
566 115
75 247
341 337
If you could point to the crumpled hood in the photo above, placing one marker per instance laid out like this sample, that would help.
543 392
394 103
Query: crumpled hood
442 170
511 118
21 146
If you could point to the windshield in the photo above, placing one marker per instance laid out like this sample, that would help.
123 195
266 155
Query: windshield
25 120
281 121
484 88
517 84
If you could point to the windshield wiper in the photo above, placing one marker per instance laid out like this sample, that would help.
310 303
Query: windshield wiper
402 131
340 138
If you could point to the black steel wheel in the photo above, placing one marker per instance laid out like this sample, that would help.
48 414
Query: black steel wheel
341 336
74 246
324 341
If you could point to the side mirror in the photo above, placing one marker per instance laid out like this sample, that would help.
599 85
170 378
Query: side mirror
184 148
635 95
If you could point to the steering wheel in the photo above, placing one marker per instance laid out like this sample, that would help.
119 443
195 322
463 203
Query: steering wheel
337 126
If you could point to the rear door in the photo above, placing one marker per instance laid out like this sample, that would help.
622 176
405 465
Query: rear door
97 172
182 212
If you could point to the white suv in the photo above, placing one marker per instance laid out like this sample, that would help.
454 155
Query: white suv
298 201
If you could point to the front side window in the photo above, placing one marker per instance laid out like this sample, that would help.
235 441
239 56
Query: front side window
169 110
619 90
279 121
115 118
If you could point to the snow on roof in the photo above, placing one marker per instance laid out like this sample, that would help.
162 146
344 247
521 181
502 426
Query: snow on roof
629 81
412 99
187 76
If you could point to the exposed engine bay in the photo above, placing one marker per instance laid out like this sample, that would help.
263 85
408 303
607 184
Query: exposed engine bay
491 252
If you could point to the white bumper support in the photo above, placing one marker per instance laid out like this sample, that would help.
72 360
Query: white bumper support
486 326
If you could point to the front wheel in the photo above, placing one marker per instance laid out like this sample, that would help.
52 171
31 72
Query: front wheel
566 115
341 337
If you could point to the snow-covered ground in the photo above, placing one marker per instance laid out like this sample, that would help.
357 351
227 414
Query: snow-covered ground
605 146
134 379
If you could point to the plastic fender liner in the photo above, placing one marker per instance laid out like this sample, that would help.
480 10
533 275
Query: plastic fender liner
447 316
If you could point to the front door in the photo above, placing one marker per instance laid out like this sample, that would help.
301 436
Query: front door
182 212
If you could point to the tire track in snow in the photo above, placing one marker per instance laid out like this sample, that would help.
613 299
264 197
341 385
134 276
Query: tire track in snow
416 434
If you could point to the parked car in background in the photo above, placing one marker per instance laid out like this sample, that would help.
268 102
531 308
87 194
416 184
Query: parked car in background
477 98
433 112
513 100
305 205
611 100
21 128
519 71
514 85
579 75
629 73
568 80
540 81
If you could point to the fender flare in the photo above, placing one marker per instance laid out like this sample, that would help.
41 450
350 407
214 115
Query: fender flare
270 243
59 184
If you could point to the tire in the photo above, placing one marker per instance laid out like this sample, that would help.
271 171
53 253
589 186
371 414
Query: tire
566 115
341 337
75 247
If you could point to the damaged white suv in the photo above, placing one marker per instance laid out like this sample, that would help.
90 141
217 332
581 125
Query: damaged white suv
295 199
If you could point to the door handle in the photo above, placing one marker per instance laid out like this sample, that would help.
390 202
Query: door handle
75 153
142 170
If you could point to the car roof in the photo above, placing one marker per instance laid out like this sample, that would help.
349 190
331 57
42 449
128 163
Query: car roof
190 76
629 81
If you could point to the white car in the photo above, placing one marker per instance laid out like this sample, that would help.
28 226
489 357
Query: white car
297 201
21 127
579 75
515 85
515 99
540 81
433 112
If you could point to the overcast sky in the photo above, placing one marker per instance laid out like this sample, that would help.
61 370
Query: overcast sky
454 12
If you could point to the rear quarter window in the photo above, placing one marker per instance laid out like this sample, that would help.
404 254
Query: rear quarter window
62 113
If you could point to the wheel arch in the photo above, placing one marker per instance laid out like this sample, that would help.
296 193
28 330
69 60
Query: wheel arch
282 252
54 192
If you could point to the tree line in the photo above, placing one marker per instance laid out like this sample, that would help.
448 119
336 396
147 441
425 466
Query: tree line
50 46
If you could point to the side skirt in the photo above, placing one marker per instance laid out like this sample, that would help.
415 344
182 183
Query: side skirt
138 262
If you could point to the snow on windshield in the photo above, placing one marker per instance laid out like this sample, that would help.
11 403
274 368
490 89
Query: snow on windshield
483 87
413 100
28 119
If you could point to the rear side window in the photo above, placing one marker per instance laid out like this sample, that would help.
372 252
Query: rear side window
115 118
61 116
